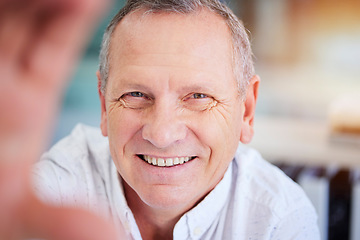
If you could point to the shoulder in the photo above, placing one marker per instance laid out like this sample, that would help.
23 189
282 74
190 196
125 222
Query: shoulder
267 184
82 141
72 166
80 150
271 198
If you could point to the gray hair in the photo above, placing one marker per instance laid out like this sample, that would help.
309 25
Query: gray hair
243 66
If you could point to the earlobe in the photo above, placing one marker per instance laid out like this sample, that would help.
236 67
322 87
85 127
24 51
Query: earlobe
247 129
103 122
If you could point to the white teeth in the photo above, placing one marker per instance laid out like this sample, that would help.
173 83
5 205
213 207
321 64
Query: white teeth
168 162
161 162
148 159
153 161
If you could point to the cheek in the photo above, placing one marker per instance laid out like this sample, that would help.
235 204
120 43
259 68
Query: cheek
219 129
221 125
216 131
123 126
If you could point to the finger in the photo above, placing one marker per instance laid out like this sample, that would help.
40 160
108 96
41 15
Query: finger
67 223
25 123
58 45
61 39
16 26
14 189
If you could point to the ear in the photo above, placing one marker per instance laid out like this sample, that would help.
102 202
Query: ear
103 122
247 128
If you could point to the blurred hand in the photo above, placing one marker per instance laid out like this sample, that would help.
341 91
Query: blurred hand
40 41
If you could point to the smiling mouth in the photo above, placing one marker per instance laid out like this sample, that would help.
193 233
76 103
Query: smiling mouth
165 162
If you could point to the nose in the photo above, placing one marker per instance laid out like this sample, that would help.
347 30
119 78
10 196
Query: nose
163 126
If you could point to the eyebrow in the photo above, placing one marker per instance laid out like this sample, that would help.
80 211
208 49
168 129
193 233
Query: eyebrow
137 86
197 88
128 85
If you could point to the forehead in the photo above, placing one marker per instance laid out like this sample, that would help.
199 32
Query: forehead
199 34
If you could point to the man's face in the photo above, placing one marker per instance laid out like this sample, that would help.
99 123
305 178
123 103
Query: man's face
172 100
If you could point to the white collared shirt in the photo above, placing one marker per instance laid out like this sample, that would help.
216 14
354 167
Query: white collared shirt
254 200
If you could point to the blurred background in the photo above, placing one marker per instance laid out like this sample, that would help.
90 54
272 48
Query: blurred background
307 53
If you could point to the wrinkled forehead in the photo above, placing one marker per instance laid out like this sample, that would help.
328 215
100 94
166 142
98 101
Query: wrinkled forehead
197 33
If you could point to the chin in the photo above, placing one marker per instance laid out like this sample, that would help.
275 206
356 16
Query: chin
167 198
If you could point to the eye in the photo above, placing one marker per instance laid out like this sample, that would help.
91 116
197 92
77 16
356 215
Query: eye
133 95
199 101
135 100
136 94
199 96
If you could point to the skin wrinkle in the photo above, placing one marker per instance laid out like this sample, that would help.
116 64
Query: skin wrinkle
126 104
223 106
212 105
111 108
144 62
129 44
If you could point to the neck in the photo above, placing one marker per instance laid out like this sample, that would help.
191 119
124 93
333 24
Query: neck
153 223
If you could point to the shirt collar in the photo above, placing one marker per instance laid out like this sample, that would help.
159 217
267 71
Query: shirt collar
199 219
123 212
